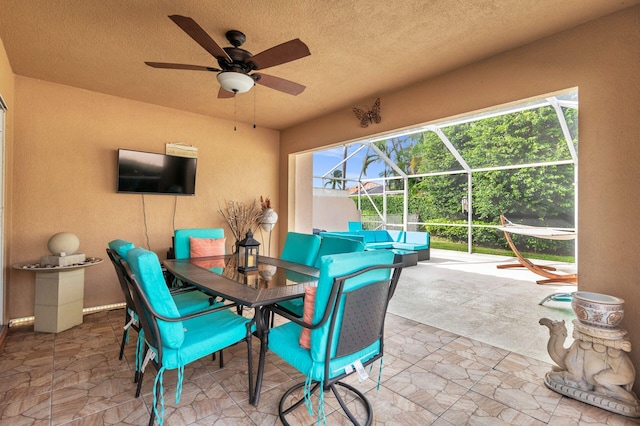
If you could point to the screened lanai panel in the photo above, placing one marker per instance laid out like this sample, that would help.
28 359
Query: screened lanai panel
430 155
398 150
537 196
523 137
440 198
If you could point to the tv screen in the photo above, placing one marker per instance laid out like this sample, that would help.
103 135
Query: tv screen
150 173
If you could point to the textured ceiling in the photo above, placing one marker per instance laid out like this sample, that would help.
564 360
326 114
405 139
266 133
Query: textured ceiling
359 49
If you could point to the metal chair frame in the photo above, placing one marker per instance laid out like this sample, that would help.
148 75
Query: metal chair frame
380 292
153 336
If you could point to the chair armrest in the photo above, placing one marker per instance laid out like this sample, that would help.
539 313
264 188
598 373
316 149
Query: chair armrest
286 314
396 267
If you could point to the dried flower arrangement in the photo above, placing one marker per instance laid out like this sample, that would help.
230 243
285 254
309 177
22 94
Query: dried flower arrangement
265 203
241 217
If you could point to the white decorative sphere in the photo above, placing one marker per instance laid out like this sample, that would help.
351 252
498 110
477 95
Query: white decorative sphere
268 220
63 242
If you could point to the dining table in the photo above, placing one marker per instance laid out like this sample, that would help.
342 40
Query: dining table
274 281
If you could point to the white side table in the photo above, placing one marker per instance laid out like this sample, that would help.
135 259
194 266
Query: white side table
59 297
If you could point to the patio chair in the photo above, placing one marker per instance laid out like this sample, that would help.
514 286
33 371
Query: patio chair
181 245
187 302
211 243
300 248
346 330
172 340
328 245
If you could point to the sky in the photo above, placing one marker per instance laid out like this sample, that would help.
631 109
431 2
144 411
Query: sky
323 161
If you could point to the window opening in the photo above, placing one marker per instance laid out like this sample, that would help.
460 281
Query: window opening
454 177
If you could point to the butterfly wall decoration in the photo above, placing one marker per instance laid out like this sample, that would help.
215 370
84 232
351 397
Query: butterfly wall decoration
371 116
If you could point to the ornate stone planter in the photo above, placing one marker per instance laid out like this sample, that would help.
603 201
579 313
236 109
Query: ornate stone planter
598 310
596 368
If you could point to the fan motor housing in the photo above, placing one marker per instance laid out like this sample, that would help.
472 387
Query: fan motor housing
239 57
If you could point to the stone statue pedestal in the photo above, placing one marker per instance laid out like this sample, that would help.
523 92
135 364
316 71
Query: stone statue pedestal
595 369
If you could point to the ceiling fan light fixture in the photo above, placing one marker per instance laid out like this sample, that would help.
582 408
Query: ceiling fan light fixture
235 82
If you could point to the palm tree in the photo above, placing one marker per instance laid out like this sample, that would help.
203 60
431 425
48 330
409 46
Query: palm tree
336 181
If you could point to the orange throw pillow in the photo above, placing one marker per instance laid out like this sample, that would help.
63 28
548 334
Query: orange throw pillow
307 316
203 247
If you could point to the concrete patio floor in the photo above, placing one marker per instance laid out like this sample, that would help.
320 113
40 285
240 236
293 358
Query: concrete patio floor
468 295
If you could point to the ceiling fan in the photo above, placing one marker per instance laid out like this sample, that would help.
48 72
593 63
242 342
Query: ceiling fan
236 63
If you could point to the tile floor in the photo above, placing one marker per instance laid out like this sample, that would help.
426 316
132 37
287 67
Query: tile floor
430 376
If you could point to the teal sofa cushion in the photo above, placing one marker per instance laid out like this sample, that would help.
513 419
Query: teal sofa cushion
377 246
369 236
121 247
343 234
390 239
397 236
336 245
420 238
328 245
383 236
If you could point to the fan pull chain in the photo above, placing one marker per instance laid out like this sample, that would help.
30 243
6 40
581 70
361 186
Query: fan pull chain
254 105
235 111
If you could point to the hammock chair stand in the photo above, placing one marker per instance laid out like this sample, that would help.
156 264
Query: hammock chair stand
542 270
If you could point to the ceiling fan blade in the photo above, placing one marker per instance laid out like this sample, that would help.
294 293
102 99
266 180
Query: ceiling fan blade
223 94
280 84
280 54
181 66
201 37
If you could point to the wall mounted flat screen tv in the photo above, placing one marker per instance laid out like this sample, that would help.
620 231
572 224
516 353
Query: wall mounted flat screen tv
151 173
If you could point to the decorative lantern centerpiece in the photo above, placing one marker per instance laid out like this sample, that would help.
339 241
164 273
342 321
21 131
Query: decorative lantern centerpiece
248 254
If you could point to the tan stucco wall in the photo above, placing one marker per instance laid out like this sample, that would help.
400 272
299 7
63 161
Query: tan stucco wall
7 88
303 182
602 59
65 178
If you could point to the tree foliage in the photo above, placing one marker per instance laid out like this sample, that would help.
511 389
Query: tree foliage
541 195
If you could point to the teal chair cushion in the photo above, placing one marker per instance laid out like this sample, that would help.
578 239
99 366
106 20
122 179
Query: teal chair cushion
148 273
200 340
181 239
336 245
283 341
295 306
121 247
334 266
301 248
190 302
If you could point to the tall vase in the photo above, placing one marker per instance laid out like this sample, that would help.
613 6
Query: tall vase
268 219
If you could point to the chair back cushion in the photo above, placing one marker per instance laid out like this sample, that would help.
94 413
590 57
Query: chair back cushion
301 248
333 266
121 247
116 261
336 245
203 247
181 239
148 273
